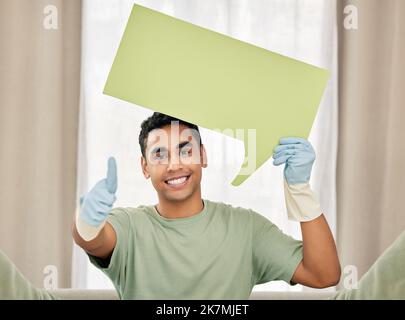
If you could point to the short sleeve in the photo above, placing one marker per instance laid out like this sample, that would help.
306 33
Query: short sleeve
115 268
275 255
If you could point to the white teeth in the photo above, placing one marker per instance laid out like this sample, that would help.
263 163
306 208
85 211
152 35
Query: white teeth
177 181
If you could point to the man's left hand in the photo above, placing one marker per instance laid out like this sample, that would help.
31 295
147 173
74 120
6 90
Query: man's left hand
298 156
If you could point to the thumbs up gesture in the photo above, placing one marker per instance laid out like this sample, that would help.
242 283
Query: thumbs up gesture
98 202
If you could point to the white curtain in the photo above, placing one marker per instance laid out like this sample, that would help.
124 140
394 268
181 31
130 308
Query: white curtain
305 30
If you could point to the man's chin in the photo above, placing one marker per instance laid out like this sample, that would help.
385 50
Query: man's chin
179 197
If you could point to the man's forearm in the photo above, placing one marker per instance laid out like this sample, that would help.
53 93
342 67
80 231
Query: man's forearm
100 246
319 251
320 265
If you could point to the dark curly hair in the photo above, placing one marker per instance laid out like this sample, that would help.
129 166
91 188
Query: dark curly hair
157 121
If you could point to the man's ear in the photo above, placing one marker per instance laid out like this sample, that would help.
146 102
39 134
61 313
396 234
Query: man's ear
203 157
144 166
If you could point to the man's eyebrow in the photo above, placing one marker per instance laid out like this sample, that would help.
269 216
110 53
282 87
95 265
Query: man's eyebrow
183 144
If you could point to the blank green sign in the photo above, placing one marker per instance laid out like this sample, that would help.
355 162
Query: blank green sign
214 81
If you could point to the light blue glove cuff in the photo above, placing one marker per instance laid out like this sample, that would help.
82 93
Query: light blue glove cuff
301 202
86 230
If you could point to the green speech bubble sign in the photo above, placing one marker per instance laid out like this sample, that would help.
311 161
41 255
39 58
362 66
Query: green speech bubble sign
217 82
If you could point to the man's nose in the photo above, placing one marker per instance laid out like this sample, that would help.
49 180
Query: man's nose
174 163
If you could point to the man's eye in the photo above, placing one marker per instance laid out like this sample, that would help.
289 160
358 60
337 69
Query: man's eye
160 155
185 152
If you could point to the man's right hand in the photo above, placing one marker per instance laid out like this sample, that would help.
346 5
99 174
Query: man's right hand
98 202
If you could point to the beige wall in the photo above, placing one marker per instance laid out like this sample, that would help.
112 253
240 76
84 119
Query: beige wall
371 152
39 103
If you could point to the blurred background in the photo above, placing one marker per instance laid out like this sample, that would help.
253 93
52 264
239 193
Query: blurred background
57 129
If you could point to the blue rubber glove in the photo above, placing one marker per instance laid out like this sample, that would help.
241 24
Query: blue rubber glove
98 202
298 156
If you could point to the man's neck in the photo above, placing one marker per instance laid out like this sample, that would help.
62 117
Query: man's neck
180 209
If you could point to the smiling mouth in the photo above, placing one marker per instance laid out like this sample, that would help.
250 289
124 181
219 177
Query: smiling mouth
178 181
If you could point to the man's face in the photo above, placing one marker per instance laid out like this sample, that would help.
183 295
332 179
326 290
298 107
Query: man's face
174 159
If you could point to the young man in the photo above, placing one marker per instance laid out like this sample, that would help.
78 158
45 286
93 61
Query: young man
186 247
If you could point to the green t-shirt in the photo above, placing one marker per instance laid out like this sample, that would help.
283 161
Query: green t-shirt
219 253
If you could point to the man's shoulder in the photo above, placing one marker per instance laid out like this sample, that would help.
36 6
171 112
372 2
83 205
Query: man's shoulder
238 211
131 213
229 209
